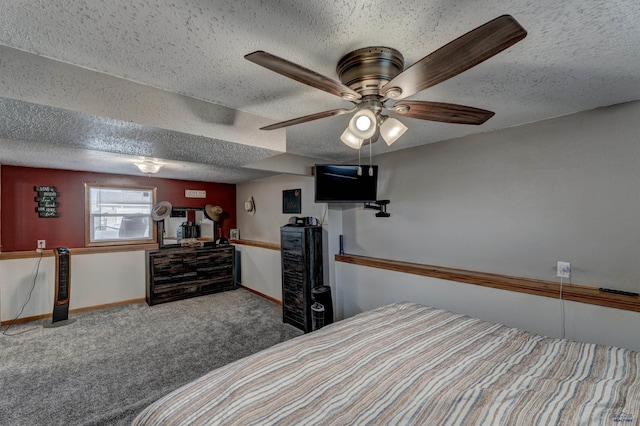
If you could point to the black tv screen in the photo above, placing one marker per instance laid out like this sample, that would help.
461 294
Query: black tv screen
339 183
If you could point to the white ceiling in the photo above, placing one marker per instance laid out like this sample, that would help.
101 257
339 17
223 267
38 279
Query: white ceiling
167 79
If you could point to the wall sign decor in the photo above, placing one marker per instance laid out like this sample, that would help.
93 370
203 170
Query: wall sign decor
291 201
195 193
47 201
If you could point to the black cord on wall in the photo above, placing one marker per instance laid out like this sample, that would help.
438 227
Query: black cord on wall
33 286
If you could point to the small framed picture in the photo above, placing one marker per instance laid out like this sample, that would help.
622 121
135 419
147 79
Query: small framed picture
291 201
234 234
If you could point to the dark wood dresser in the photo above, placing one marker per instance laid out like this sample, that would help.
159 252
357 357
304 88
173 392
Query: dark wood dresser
301 251
181 272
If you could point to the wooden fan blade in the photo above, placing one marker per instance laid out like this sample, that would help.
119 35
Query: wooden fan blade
301 74
438 111
307 118
461 54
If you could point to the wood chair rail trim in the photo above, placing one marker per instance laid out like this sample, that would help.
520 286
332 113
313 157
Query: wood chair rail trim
572 292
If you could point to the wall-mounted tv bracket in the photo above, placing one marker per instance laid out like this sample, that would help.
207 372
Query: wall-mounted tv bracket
379 205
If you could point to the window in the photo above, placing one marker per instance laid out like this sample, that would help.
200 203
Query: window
118 215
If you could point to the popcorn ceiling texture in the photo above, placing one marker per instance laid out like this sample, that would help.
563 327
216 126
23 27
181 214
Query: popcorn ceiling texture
179 66
73 129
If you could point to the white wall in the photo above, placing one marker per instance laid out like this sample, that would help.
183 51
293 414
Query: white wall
511 202
265 274
516 201
96 279
17 277
261 270
364 288
265 224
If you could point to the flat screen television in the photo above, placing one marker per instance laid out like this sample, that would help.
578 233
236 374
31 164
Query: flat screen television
340 183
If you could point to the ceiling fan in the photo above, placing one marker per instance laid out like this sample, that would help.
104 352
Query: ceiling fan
372 76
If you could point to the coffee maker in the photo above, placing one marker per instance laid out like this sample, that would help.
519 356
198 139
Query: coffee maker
188 230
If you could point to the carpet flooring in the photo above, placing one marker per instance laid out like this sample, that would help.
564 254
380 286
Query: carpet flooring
107 366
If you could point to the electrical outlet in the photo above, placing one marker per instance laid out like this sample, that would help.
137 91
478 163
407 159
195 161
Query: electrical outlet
564 270
41 244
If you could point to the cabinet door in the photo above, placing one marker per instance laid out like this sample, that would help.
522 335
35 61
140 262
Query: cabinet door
172 275
215 265
216 270
173 268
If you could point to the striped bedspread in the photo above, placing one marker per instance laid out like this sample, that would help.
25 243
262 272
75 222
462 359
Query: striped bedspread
409 364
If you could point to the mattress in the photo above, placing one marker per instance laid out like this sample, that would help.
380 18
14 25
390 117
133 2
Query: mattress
407 363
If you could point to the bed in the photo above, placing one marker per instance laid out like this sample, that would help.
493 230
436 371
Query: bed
407 363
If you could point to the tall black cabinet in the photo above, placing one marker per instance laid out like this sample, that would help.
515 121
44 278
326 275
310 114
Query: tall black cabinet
301 248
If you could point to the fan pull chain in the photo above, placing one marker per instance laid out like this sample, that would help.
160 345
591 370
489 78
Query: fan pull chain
370 165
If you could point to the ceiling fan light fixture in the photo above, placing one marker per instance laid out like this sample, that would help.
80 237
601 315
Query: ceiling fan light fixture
363 124
371 76
391 129
351 140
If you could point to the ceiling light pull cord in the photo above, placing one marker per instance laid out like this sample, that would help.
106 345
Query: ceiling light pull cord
370 165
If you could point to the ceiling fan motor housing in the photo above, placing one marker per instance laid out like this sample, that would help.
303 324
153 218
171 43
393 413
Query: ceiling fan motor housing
366 70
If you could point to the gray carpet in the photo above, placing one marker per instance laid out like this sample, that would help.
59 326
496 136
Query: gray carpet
111 363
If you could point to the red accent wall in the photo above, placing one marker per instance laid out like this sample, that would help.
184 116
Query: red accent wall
21 227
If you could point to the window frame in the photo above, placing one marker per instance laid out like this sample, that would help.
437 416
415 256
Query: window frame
153 230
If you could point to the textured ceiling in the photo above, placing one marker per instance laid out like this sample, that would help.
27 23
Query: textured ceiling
167 79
